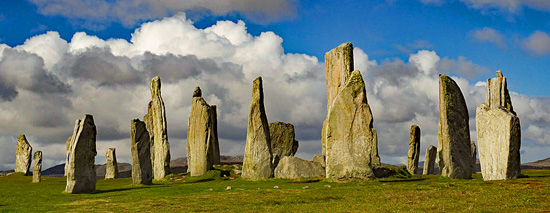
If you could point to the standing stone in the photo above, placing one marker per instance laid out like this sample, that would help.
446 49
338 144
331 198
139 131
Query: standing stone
201 136
142 170
498 133
81 175
283 141
296 168
156 126
111 166
374 158
23 154
339 65
474 151
414 149
37 167
215 141
349 133
429 163
455 152
67 154
258 158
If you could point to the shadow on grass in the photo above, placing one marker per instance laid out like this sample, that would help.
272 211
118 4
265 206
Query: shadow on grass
127 189
403 180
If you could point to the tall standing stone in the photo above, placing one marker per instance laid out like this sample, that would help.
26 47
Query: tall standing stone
455 153
142 170
37 167
23 155
474 151
67 155
111 165
257 162
283 141
81 175
202 137
498 133
349 133
429 163
157 128
374 157
339 65
414 149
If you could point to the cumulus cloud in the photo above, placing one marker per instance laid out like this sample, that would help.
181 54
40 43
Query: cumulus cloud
511 7
490 35
98 13
47 83
538 43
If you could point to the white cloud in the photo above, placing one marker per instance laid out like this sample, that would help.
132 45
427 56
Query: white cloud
98 13
490 35
509 6
41 95
538 43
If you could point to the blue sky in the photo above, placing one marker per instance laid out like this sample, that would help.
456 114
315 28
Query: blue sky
401 47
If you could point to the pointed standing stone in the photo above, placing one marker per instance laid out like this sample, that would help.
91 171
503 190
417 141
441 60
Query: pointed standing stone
81 175
283 141
498 133
142 170
339 65
37 167
429 163
68 153
349 133
23 154
257 162
414 150
111 166
201 136
455 152
157 128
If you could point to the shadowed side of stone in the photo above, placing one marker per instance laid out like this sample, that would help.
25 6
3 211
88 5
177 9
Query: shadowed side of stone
283 141
81 174
454 148
23 154
414 149
142 169
296 168
258 158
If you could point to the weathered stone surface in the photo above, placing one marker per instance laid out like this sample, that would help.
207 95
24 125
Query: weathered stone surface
111 165
349 133
295 168
215 141
339 64
23 155
283 141
258 158
498 133
374 157
202 138
454 148
156 125
429 163
414 150
474 151
81 175
320 159
37 167
68 153
142 169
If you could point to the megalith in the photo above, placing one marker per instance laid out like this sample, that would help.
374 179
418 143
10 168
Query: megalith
498 133
429 163
202 139
295 168
283 141
414 150
23 155
258 158
454 148
374 157
67 154
37 167
81 175
111 165
156 126
142 169
349 134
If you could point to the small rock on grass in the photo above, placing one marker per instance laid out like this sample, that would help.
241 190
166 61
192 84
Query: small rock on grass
228 188
276 187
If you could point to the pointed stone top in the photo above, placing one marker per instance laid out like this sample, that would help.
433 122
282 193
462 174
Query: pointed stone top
258 80
499 73
346 45
22 138
197 92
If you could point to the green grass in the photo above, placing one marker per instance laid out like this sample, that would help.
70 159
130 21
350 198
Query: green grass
208 193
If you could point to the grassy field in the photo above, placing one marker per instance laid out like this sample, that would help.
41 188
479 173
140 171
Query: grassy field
209 193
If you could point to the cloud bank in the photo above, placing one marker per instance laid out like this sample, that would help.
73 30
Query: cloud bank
47 83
